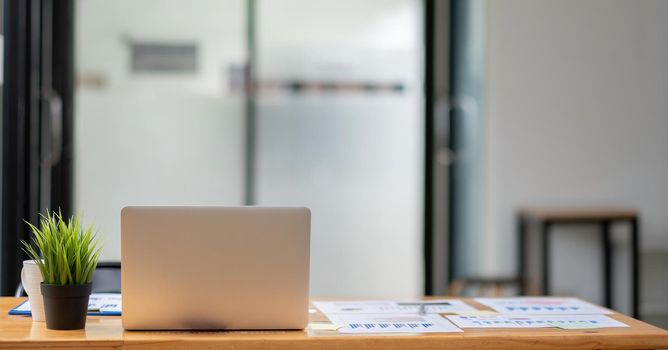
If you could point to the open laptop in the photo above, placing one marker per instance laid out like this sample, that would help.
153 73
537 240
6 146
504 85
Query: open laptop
215 267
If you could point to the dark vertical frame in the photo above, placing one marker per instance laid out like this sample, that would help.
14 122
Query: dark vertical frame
62 83
452 173
437 206
428 145
20 158
607 263
38 77
453 239
250 103
522 270
635 263
465 133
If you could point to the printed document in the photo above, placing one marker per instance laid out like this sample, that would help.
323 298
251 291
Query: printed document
392 323
394 307
542 306
98 302
536 321
105 302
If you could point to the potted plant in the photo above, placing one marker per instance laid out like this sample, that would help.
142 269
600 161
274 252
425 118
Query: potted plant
66 253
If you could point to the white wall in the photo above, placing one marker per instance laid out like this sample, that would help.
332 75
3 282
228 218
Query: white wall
577 114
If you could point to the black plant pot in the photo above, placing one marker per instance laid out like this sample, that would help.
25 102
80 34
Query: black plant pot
65 307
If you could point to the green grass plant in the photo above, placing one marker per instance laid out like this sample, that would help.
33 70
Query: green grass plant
65 251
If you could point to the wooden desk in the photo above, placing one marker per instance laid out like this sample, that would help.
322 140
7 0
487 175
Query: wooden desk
19 332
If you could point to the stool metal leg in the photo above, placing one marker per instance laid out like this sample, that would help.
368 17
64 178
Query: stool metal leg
607 263
635 266
521 254
546 256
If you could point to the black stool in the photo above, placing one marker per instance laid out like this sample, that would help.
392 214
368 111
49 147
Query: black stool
605 217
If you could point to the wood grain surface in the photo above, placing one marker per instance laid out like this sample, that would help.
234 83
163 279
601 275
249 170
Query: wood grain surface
19 332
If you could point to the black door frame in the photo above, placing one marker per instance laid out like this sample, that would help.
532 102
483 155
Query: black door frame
36 120
20 158
438 206
62 88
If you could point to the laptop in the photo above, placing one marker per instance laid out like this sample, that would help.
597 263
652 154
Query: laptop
215 268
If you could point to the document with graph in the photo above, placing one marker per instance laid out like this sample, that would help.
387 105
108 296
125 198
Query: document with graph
99 304
392 323
542 306
536 321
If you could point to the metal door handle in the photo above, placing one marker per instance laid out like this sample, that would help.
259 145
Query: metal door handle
54 110
445 155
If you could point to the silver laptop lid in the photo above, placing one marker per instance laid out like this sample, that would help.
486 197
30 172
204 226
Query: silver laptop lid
215 267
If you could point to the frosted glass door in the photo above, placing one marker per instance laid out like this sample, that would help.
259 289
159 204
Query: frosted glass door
340 129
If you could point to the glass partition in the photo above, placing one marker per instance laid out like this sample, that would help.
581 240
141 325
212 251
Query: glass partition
160 120
340 129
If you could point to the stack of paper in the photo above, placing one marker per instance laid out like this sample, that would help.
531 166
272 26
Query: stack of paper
423 317
374 316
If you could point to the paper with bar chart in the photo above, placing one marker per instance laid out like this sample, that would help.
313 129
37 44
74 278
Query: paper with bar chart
536 321
392 323
542 306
